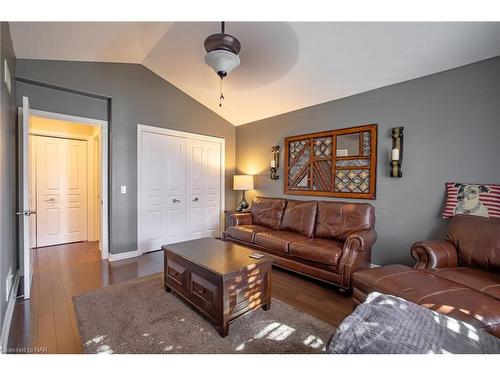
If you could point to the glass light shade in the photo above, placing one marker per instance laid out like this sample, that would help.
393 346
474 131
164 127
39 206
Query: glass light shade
242 182
222 60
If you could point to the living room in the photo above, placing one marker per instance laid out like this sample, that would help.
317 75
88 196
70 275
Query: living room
239 184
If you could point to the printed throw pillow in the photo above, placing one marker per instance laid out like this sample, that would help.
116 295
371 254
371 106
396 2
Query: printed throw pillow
472 199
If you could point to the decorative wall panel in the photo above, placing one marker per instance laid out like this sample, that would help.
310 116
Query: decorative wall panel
338 163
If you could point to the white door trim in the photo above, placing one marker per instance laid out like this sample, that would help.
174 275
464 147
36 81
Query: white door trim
104 167
9 312
177 133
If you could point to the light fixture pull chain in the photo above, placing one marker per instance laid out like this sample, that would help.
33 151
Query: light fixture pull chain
221 97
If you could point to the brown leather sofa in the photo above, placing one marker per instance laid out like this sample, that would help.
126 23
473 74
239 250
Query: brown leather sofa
325 240
459 276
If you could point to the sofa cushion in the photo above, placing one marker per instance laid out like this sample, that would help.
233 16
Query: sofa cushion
277 240
477 240
318 250
480 280
245 232
339 219
268 211
436 293
299 217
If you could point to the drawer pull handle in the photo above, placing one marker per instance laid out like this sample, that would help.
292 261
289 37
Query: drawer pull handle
173 273
201 291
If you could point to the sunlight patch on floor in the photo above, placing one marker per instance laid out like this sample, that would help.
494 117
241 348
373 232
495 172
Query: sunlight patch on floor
96 340
275 331
104 349
313 342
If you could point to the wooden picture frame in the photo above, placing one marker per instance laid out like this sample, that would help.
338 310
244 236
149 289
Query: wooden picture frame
312 166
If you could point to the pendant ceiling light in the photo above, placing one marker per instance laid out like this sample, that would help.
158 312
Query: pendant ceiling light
222 55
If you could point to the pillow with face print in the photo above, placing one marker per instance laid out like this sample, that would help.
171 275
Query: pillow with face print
472 199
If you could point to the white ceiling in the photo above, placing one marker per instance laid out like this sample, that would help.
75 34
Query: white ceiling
284 65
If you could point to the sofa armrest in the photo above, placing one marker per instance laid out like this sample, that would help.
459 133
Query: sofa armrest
243 218
434 254
356 255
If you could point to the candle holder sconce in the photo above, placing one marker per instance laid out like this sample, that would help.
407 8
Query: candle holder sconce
275 163
397 152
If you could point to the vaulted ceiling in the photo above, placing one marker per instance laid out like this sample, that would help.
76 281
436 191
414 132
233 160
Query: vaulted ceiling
284 65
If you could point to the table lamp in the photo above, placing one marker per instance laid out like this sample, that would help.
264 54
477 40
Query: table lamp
242 182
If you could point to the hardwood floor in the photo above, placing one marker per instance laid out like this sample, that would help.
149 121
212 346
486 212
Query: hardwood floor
46 323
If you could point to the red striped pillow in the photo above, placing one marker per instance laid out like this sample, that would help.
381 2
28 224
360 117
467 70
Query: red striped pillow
472 199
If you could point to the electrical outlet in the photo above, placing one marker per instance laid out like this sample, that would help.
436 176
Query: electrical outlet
123 189
8 284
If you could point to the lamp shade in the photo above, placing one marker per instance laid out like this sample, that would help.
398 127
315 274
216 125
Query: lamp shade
243 182
223 62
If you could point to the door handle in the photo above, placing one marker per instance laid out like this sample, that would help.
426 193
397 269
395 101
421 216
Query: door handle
176 201
50 200
195 199
25 213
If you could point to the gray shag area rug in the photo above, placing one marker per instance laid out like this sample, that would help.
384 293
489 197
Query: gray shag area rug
140 317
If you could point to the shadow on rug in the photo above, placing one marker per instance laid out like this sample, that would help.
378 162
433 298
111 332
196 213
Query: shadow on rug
140 317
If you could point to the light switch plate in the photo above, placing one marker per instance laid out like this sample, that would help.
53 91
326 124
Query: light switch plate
123 189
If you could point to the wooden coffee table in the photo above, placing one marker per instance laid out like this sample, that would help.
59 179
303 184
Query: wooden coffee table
218 279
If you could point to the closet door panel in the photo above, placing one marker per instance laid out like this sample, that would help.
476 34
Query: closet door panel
212 188
175 163
195 189
196 216
75 192
50 166
153 191
196 174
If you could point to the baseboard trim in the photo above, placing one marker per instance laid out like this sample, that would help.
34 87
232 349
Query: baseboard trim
121 256
4 338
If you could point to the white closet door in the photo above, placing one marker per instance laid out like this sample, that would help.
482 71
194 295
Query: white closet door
175 205
203 189
61 190
212 189
162 191
179 195
195 190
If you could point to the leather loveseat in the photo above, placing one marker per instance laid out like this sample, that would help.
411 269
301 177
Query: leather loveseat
325 240
459 276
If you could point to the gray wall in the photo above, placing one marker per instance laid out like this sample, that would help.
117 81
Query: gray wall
8 169
137 96
58 101
452 133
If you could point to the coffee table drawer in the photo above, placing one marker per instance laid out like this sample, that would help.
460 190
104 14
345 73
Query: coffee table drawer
177 275
247 294
204 292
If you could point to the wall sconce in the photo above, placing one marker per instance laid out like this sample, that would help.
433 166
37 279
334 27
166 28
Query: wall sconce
275 163
397 152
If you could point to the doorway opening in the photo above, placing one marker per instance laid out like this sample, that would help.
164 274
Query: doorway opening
68 180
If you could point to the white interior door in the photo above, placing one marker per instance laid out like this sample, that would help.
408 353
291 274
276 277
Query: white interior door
61 170
162 191
24 212
212 152
174 158
203 187
196 189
